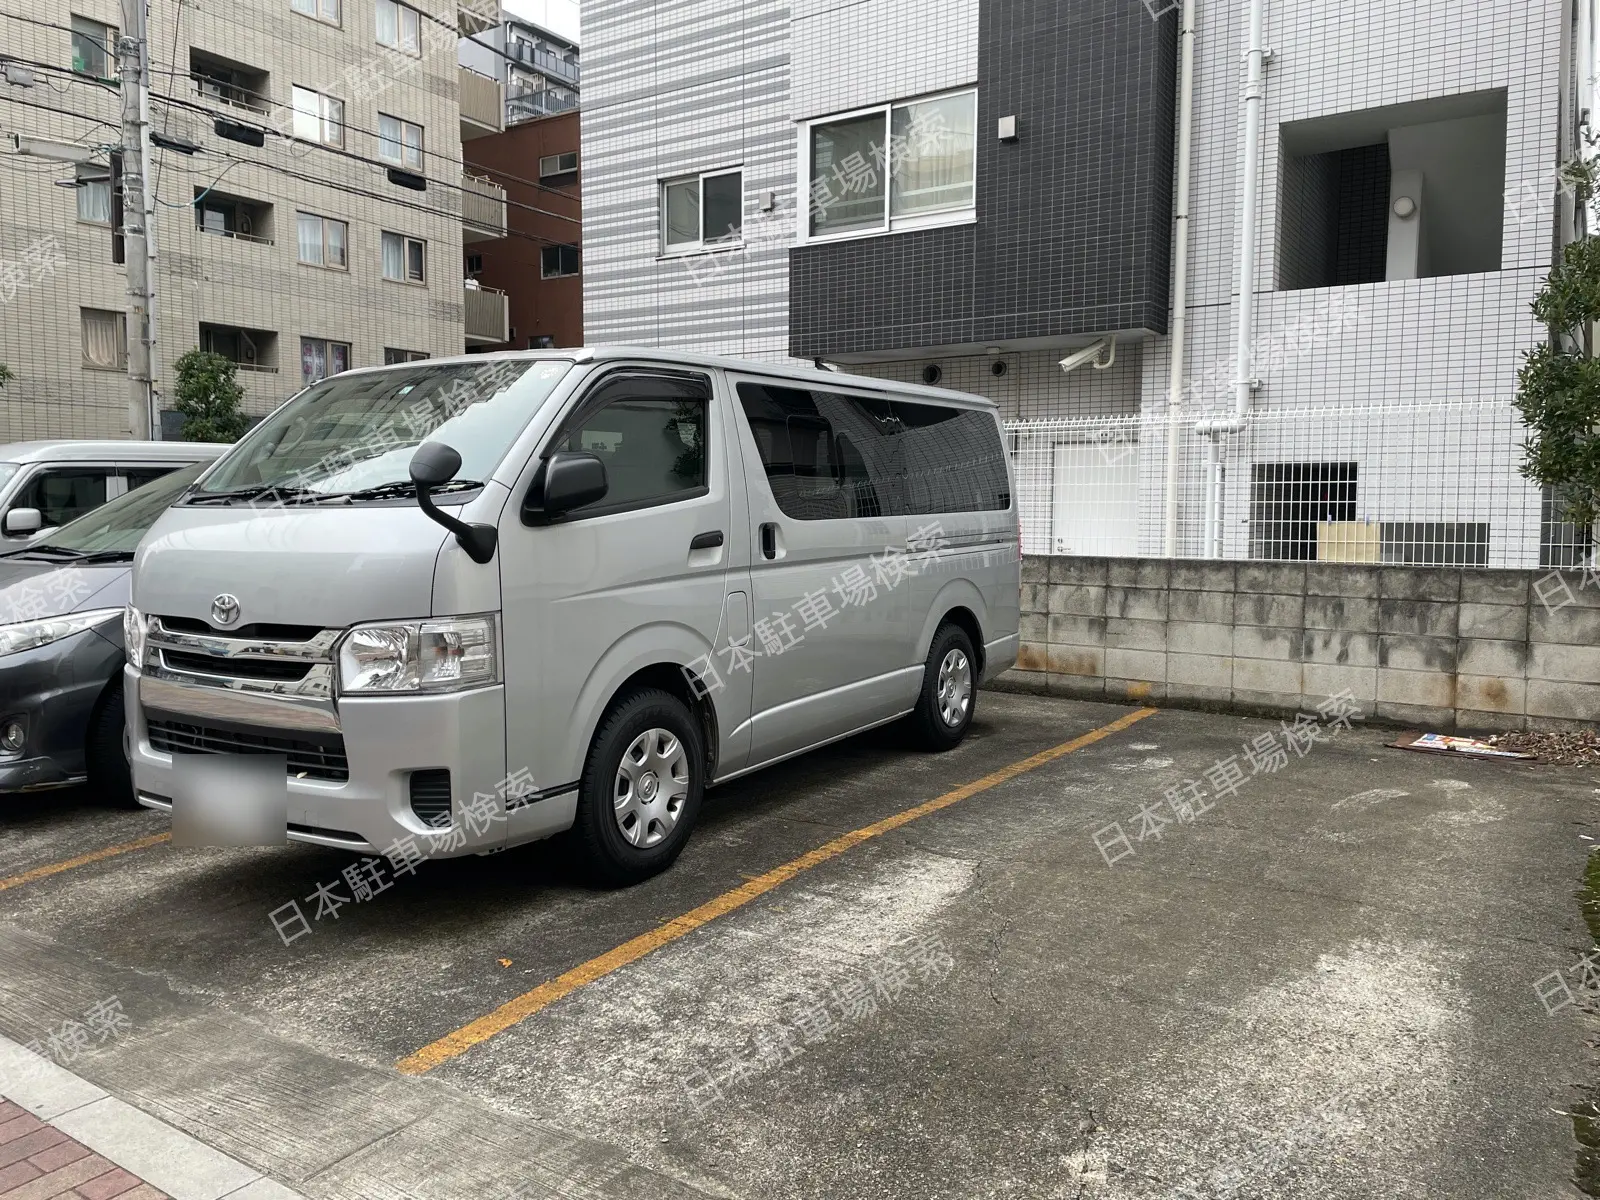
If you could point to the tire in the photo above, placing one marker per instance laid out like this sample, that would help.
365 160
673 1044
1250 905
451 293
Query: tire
105 752
641 789
949 691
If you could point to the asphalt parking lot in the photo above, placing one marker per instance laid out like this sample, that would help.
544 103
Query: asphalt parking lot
1320 985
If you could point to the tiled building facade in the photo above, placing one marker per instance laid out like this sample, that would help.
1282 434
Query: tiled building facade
296 257
1405 360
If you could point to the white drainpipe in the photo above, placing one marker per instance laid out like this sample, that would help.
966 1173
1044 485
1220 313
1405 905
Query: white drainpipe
1244 384
1180 274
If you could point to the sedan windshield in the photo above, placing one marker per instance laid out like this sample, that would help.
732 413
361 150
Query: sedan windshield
355 433
119 524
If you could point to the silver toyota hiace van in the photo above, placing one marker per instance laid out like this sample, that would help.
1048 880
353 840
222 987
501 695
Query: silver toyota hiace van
475 602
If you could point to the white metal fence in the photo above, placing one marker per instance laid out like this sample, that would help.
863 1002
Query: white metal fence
1424 484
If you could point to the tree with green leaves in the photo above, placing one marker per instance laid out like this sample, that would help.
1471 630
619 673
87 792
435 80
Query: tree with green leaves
1558 387
5 375
208 396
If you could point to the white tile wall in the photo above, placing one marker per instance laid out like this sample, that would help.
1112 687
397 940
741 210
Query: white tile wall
840 61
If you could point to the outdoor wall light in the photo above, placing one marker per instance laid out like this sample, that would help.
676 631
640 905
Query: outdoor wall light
1405 207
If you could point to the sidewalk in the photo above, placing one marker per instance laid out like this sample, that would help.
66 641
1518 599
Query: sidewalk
62 1138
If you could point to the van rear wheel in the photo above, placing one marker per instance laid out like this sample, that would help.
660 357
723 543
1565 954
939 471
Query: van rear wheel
641 789
949 690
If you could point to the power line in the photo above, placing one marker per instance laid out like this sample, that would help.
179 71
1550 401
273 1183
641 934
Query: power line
361 158
173 72
366 194
439 154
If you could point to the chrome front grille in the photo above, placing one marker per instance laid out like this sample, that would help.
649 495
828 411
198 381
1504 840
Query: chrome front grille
270 675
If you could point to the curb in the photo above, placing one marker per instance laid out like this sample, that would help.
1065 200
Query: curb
165 1158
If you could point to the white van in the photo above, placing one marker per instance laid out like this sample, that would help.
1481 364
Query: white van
475 602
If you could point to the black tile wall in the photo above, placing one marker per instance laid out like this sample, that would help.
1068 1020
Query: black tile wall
1074 218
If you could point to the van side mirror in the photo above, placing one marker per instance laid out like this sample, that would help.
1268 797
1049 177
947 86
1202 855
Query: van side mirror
22 521
435 463
568 480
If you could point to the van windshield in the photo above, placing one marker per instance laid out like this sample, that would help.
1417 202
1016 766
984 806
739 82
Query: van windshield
354 434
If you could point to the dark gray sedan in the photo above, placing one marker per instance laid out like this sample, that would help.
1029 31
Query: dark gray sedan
61 602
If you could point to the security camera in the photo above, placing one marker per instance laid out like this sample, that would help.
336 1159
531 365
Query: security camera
1105 345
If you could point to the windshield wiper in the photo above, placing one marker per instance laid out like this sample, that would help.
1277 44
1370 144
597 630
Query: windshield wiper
402 487
49 552
65 554
285 494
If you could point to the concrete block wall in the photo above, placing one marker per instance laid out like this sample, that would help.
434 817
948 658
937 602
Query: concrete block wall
1435 647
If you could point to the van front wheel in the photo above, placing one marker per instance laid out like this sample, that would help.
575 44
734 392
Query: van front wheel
949 690
641 789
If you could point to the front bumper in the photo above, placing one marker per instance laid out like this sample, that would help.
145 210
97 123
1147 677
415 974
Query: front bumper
54 689
385 739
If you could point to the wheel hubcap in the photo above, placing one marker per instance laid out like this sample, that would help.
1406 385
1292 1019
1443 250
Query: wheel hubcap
651 787
955 688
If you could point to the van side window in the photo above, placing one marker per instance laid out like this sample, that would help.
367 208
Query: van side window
954 461
827 456
651 435
63 494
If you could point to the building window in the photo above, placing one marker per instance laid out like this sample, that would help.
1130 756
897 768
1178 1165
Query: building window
322 10
94 194
541 341
893 167
474 265
706 210
105 339
399 26
393 355
323 241
94 48
400 142
320 358
404 258
317 118
557 261
551 165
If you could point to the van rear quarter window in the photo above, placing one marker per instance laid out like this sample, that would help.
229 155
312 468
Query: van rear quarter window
830 456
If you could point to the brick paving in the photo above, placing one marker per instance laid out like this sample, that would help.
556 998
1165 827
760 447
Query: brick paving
39 1162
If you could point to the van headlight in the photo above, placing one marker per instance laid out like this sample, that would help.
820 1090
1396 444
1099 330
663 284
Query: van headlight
133 636
446 655
26 635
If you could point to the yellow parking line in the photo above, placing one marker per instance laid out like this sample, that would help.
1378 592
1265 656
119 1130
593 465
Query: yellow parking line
525 1005
82 860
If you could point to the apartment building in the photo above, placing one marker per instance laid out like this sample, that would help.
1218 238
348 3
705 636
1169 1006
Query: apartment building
311 201
998 196
539 263
534 54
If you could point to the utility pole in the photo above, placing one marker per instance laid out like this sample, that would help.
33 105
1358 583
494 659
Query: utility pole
137 213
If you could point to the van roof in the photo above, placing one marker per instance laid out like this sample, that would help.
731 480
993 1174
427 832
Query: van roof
117 451
790 370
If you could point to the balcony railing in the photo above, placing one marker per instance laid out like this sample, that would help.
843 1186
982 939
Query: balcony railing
545 61
482 104
219 92
483 209
236 235
524 104
487 317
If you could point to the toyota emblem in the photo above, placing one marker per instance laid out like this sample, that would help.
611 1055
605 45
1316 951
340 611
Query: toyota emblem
225 609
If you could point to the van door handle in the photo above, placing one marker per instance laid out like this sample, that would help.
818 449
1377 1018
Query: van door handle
706 541
769 539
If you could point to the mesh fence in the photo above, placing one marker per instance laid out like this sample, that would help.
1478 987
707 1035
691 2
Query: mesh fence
1434 485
